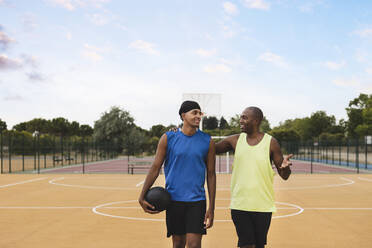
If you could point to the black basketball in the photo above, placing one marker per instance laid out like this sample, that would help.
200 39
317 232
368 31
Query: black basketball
158 197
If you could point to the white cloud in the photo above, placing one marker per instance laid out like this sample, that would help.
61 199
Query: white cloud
73 4
5 40
29 22
349 83
334 65
217 68
309 6
230 8
364 32
206 53
274 59
68 36
99 20
8 63
369 70
257 4
143 46
92 53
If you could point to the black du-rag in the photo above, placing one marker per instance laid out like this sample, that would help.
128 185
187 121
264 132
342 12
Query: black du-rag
186 106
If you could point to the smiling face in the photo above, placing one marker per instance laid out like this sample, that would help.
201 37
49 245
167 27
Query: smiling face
192 117
248 121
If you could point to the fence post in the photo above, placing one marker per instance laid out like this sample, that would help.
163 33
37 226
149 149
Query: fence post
357 155
366 151
347 152
311 156
10 152
1 151
62 149
83 156
38 153
339 153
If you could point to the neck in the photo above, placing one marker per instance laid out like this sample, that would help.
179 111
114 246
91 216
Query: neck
188 130
254 134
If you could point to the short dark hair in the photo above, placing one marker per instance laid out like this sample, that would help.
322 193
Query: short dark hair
257 113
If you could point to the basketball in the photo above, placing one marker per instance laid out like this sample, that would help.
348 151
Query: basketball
158 197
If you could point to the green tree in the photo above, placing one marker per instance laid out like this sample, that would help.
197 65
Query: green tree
3 125
60 126
114 126
210 123
85 131
357 117
265 125
223 123
157 130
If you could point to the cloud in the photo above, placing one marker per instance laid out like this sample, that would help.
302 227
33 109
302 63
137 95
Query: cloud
35 76
5 40
29 22
309 6
144 47
364 33
274 59
8 63
30 60
334 65
217 68
206 53
99 20
92 52
351 83
74 4
68 36
230 8
257 4
369 70
13 98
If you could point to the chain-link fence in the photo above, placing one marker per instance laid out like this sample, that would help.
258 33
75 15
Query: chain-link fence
21 152
354 154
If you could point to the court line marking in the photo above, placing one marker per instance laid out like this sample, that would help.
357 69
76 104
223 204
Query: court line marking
140 183
22 182
94 209
55 180
349 182
365 179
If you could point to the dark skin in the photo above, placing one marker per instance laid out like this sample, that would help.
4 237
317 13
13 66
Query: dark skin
250 125
191 121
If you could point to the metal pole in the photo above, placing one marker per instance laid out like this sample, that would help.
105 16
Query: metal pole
83 157
311 157
357 155
347 152
365 146
339 154
10 152
34 141
38 154
1 151
23 152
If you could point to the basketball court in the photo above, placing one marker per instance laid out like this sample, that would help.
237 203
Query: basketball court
101 210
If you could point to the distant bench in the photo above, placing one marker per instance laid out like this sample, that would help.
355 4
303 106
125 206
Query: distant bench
57 159
140 165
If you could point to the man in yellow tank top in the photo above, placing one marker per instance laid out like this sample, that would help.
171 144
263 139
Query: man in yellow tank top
252 192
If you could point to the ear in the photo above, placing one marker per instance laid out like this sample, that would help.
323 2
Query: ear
183 116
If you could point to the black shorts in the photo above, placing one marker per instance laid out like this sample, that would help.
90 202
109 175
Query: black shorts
251 227
185 217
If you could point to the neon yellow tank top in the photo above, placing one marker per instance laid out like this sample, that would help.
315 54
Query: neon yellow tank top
252 176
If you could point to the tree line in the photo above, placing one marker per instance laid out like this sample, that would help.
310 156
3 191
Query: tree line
117 127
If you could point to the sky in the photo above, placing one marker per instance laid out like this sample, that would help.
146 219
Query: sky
78 58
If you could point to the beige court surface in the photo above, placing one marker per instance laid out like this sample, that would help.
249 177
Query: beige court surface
102 211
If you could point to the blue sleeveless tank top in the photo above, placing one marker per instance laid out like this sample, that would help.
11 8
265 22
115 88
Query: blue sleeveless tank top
185 165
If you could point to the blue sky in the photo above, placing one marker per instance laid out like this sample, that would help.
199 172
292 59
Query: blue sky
77 58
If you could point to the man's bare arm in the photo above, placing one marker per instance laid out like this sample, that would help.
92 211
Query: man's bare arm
227 144
282 164
211 183
153 174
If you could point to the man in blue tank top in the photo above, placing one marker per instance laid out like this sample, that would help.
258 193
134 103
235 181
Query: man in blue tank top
189 158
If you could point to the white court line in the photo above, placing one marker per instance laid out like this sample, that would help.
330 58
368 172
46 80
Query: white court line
365 179
54 181
95 210
140 183
349 182
22 182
